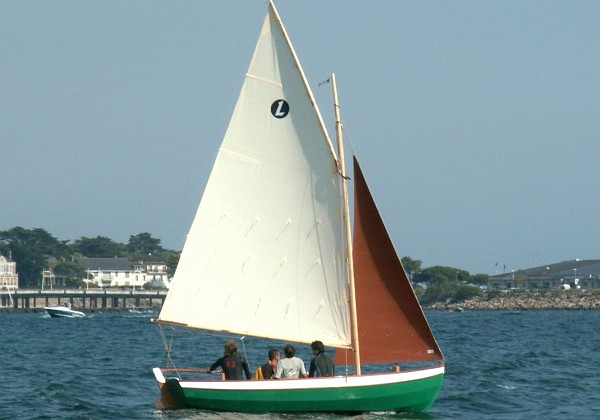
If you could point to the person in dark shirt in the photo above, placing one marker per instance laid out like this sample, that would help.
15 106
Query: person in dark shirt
321 364
267 370
231 363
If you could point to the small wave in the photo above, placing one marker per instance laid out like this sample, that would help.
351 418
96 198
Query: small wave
509 387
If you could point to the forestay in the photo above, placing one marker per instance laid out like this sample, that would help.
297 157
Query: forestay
265 255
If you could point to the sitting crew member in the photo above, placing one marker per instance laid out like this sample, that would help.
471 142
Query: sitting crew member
267 370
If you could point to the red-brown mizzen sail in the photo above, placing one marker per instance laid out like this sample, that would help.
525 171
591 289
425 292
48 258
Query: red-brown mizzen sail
392 326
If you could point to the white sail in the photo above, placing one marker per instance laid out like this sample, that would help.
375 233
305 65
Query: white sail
265 255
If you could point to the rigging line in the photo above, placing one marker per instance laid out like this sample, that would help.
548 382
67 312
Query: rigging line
319 89
339 171
341 124
337 162
324 81
168 347
245 354
343 130
348 139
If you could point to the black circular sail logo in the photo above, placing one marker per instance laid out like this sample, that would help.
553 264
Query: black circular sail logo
280 108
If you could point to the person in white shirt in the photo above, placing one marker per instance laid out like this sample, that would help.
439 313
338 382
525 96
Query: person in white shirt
291 366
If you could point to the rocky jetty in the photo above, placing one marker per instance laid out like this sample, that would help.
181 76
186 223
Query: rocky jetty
527 300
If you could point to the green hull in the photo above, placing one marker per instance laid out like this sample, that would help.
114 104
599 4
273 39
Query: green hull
322 395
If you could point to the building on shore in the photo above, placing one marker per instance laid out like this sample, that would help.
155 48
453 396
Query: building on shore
9 278
584 274
120 272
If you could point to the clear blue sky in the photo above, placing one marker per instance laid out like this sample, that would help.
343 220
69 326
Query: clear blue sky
476 122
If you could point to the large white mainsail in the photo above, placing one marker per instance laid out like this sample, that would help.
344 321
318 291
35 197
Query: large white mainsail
265 255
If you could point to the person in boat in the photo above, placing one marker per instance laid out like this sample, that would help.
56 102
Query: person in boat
321 364
232 364
267 370
291 366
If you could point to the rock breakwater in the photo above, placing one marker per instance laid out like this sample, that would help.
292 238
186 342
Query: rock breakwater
527 300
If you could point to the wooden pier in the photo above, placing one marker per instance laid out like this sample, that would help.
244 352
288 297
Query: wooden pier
82 299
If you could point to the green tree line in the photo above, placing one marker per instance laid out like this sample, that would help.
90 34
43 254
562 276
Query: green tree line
443 284
33 249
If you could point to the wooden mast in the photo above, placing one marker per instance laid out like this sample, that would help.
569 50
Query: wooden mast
342 162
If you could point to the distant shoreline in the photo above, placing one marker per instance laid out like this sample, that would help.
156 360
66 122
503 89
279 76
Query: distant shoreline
491 301
527 300
87 311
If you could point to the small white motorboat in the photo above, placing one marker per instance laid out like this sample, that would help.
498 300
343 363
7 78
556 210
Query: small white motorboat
63 310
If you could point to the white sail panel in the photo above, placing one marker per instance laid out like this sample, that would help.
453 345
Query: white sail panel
265 253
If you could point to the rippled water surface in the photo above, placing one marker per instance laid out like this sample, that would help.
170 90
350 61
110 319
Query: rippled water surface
500 365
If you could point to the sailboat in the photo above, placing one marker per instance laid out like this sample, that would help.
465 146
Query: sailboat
274 218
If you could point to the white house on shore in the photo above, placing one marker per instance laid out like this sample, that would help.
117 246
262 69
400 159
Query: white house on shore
119 272
9 279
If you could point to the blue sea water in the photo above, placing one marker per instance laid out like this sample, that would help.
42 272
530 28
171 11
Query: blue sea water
500 365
